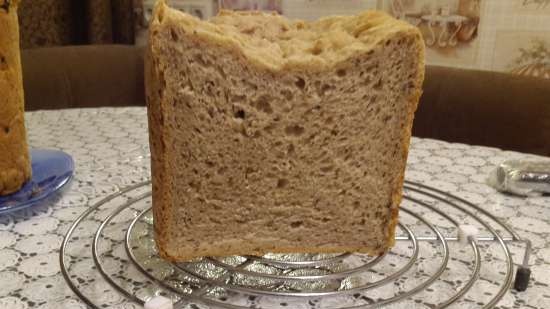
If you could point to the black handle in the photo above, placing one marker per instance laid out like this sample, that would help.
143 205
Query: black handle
523 274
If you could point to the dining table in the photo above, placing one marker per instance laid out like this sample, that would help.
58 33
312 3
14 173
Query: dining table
110 149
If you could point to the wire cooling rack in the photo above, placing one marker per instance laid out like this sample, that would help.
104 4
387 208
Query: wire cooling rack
108 258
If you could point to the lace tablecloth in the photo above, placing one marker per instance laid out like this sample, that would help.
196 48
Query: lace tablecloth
110 149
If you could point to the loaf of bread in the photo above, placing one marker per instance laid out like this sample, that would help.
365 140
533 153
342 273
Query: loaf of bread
15 166
273 135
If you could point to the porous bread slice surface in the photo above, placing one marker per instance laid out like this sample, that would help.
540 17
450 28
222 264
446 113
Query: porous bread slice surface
271 135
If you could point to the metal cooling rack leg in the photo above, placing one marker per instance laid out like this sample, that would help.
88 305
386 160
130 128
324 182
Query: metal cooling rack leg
523 273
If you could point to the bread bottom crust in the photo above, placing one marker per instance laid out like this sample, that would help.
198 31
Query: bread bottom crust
253 250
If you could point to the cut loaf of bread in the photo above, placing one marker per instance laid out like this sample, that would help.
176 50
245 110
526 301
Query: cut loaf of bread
15 167
273 135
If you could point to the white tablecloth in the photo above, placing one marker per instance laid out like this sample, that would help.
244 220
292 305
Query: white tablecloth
110 149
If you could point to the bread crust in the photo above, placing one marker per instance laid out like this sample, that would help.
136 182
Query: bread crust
154 98
15 166
370 27
414 99
165 17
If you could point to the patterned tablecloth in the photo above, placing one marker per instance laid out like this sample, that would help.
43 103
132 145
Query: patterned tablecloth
110 149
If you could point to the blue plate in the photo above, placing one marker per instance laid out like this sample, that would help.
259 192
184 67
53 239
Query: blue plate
51 170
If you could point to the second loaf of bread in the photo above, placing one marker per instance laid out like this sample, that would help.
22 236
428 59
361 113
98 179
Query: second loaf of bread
15 166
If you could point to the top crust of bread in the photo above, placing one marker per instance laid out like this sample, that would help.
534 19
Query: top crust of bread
276 43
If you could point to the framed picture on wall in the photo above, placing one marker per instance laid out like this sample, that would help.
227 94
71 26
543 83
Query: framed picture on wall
450 27
524 53
532 6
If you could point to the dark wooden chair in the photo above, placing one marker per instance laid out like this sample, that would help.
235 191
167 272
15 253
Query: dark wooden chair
485 108
83 76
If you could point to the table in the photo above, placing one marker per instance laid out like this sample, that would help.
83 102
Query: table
110 149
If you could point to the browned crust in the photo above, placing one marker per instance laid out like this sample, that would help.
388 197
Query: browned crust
157 142
406 137
15 166
263 58
249 250
162 196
